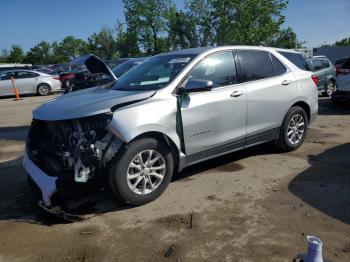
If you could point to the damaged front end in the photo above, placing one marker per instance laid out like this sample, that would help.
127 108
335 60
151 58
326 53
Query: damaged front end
62 154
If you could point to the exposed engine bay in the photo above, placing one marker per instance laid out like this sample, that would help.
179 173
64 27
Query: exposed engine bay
74 151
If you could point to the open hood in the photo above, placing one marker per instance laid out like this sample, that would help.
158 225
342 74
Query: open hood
94 65
88 102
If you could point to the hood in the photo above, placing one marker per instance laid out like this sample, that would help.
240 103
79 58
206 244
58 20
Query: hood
87 102
94 65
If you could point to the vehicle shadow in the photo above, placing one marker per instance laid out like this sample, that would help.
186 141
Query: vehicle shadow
19 200
326 184
326 107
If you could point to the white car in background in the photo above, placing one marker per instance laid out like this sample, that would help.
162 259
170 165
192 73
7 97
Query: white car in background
28 82
343 82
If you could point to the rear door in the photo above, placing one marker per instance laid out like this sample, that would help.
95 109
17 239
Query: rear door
6 87
270 87
214 121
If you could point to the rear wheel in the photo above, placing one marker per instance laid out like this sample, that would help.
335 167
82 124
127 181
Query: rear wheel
330 88
43 89
293 129
141 171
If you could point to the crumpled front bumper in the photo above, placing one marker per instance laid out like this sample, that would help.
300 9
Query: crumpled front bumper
46 184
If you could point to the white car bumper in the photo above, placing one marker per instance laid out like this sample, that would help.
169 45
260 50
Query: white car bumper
47 184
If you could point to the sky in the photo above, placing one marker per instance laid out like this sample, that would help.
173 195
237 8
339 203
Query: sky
27 22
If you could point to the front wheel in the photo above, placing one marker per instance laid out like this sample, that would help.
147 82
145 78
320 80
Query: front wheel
293 129
141 171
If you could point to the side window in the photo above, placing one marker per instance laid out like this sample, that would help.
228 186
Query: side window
25 74
318 65
278 67
257 64
7 76
218 67
325 63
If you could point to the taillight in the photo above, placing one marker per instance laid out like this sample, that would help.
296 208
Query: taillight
57 78
315 79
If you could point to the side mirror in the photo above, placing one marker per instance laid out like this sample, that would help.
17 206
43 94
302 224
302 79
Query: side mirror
198 85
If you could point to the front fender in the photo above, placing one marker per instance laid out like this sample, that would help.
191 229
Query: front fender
152 115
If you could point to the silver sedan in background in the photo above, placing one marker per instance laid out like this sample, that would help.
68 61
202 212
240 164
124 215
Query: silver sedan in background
28 82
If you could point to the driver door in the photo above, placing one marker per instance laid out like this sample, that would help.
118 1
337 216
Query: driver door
214 122
6 87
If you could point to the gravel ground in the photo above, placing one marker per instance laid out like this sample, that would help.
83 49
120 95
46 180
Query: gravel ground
253 205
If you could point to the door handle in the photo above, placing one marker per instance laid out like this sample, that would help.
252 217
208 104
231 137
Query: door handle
237 93
286 82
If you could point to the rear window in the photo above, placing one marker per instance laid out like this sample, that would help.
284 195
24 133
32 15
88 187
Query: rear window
340 61
296 59
346 64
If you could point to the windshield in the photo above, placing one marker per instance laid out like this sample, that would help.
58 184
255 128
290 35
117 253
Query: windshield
123 68
154 73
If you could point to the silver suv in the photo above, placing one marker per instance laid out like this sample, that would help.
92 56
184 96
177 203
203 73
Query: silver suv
172 111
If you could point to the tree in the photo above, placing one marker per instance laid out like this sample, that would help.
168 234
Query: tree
343 42
4 56
249 22
181 30
200 12
286 38
16 54
40 54
68 49
149 19
126 42
103 44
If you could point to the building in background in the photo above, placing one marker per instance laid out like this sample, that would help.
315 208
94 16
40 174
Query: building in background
332 52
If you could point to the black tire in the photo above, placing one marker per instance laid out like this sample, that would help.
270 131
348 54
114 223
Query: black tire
117 175
283 141
329 88
43 90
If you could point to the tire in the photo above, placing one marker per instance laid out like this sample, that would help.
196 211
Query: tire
285 142
43 90
329 89
123 168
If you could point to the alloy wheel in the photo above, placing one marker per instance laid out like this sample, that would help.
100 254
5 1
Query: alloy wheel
146 172
296 129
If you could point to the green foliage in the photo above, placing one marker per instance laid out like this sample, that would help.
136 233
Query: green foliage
16 54
40 54
103 44
286 38
156 26
343 42
248 22
148 19
4 56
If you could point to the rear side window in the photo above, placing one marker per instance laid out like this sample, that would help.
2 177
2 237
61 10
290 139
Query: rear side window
297 59
278 67
256 64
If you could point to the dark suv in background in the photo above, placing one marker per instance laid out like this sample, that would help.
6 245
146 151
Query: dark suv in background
326 74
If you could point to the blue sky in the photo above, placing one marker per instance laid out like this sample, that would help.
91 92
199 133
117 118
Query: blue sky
27 22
